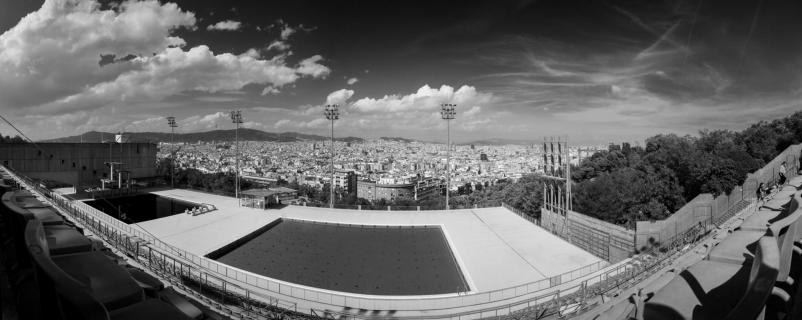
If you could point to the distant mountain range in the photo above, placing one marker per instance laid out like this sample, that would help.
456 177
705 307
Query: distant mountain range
499 142
399 139
250 135
208 136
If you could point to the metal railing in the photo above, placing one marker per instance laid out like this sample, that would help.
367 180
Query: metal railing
373 207
275 293
227 297
520 213
227 288
574 298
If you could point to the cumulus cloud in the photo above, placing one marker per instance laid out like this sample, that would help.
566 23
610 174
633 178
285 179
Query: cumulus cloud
409 118
426 98
311 67
51 59
278 45
227 25
352 81
175 70
287 31
339 96
412 114
472 111
56 50
282 123
270 90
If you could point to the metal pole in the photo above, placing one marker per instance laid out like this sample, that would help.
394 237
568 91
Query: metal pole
236 117
331 168
448 162
447 113
332 114
172 159
172 124
567 157
236 160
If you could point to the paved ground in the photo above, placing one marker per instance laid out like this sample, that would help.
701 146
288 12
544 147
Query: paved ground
494 247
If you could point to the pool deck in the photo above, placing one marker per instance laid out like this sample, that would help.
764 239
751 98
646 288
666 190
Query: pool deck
494 247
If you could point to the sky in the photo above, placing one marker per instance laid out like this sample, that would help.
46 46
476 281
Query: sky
595 71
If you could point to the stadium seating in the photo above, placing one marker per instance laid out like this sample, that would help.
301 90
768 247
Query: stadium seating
753 272
760 222
740 245
61 238
57 272
716 290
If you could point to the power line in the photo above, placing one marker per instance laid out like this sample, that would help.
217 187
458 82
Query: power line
22 134
751 28
690 33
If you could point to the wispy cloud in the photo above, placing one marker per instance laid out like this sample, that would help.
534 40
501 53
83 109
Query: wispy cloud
227 25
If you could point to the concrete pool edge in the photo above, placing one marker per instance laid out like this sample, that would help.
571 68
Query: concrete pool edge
219 252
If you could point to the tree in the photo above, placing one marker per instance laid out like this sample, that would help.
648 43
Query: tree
630 194
760 141
9 139
599 163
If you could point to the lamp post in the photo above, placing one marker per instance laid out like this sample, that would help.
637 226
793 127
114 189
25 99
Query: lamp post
173 125
447 113
236 118
332 113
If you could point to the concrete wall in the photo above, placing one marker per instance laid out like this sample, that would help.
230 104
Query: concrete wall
79 164
603 239
697 211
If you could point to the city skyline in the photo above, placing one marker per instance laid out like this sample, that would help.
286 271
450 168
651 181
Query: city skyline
596 71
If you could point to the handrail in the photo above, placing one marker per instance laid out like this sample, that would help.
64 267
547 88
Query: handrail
236 276
117 238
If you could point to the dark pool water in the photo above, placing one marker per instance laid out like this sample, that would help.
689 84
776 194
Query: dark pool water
142 207
383 260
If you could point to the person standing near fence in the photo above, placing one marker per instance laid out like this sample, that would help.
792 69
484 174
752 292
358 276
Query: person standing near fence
783 170
759 194
799 159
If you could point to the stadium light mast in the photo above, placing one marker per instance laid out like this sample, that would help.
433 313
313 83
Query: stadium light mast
447 113
332 113
173 125
236 118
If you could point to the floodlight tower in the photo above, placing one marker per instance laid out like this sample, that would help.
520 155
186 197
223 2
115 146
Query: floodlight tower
557 166
236 118
173 125
447 113
332 113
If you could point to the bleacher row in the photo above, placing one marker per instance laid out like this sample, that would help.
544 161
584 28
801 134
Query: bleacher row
55 271
752 271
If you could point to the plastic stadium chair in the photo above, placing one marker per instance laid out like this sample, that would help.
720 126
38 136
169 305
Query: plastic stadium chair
173 298
106 281
715 290
72 299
